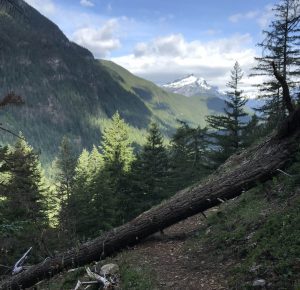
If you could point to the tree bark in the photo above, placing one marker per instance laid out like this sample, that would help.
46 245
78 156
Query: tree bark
285 88
239 173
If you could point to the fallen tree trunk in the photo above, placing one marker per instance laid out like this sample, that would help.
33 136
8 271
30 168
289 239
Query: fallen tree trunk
239 173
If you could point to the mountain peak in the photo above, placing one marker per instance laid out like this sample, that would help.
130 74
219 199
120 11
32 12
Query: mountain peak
188 85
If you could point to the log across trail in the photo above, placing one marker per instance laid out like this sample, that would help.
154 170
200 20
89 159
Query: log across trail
241 172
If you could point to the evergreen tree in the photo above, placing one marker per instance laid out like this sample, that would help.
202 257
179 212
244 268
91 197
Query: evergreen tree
188 156
91 196
281 55
81 197
118 157
65 164
150 171
227 129
22 202
24 190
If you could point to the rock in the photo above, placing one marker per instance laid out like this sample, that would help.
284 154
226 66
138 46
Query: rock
109 269
259 283
254 268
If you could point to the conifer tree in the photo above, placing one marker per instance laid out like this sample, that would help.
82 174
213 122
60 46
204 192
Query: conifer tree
188 156
91 195
24 190
227 129
118 157
65 170
280 61
81 197
22 202
151 171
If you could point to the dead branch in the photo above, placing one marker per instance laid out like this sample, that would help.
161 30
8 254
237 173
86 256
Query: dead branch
285 88
18 267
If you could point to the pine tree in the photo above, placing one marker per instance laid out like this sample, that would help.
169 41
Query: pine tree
280 61
227 129
150 171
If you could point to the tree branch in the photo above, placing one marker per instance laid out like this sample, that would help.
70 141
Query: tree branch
285 88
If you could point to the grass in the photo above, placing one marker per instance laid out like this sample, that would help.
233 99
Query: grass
261 232
135 275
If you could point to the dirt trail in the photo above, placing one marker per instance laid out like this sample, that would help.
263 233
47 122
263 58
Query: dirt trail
177 267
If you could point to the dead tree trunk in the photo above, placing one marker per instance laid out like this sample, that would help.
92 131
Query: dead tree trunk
285 89
239 173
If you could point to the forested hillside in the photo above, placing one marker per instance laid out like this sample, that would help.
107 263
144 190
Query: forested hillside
67 92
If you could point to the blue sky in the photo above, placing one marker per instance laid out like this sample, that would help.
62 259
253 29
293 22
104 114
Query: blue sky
165 39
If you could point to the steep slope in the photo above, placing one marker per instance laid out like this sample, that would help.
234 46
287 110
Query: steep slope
67 91
166 107
63 86
242 171
194 87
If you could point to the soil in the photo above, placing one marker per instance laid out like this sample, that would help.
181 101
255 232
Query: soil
178 267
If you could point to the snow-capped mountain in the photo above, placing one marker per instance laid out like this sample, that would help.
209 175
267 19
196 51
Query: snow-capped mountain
192 85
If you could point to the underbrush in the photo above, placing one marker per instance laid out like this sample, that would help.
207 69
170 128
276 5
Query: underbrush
260 231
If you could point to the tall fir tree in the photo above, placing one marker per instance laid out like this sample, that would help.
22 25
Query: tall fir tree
91 196
24 191
65 164
227 130
280 61
118 157
22 202
150 172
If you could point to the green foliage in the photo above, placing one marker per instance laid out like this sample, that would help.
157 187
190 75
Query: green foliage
68 92
135 276
150 173
23 208
281 46
64 178
262 236
116 147
228 129
23 192
188 156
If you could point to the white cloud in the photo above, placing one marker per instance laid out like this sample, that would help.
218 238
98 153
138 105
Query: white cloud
165 58
46 7
87 3
101 41
242 16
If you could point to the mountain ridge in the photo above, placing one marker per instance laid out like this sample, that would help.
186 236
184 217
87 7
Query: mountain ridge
191 85
69 92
